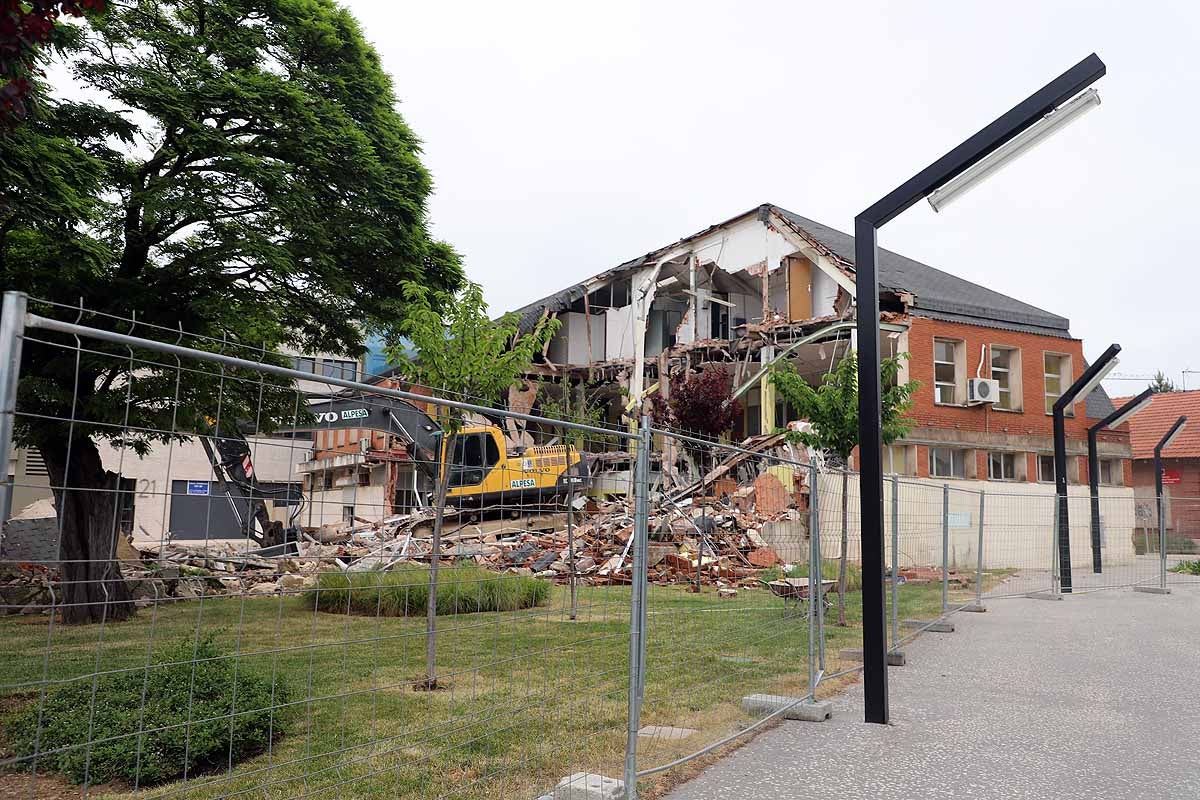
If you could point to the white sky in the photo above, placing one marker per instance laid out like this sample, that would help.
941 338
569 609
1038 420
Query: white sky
567 137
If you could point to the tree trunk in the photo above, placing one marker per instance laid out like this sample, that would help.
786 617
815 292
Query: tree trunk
85 498
845 545
435 553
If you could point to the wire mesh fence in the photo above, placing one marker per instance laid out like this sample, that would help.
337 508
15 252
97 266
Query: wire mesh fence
224 575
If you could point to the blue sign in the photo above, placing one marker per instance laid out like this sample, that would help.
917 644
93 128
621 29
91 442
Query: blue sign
197 487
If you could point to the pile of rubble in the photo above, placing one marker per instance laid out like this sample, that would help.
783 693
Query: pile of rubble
724 534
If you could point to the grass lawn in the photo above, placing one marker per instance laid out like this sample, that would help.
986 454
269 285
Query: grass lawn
532 695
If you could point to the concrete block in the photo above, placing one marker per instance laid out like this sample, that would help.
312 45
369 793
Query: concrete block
928 625
763 704
588 786
1151 589
895 658
665 732
974 608
1044 596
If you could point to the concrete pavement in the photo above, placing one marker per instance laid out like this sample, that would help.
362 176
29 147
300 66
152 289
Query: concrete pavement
1092 697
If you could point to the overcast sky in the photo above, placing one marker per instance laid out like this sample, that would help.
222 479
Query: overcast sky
565 138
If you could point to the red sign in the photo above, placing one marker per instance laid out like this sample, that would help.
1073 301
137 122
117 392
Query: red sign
1171 477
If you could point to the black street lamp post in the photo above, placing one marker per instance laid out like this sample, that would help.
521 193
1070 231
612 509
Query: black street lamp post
1111 421
1002 139
1078 390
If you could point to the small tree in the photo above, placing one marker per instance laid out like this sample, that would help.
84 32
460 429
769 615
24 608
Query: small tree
1161 383
700 403
453 347
832 408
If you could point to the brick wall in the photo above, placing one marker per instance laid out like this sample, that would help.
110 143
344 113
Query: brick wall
982 424
1183 516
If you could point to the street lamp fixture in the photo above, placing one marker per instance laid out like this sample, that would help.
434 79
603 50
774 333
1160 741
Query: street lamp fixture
1114 419
937 176
1014 148
1079 390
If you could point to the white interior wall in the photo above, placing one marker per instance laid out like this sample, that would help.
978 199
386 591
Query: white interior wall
618 333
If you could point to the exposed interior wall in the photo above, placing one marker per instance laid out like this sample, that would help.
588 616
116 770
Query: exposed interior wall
824 294
618 333
571 342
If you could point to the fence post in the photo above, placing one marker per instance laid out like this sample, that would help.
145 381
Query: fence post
1054 578
815 602
637 610
571 535
945 547
895 560
979 557
12 328
817 565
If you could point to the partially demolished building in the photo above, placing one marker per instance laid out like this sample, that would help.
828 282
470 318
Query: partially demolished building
770 285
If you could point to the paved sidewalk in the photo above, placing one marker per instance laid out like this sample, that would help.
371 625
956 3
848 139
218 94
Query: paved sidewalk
1093 697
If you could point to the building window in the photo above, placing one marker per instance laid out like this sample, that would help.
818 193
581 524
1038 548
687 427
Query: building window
1046 469
335 368
1006 371
895 459
348 513
1110 472
947 462
1057 369
304 364
946 356
327 480
1002 466
35 465
364 477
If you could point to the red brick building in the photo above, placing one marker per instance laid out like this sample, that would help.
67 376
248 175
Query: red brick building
1181 461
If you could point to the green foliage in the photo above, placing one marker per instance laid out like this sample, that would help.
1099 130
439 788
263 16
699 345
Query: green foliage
580 404
832 408
456 349
201 710
241 173
1161 383
404 591
829 572
1187 568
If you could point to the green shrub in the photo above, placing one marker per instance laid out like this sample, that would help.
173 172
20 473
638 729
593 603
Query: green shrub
829 572
1187 567
155 743
404 591
1143 544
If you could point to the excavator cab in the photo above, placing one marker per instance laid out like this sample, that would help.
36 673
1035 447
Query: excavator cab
474 454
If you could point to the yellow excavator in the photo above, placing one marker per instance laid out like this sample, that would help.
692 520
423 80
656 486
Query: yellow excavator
483 471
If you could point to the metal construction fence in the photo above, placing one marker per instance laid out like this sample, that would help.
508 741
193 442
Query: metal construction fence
229 579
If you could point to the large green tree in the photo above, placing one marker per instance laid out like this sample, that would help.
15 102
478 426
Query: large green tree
832 408
242 174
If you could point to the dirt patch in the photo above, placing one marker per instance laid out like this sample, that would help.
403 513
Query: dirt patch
23 786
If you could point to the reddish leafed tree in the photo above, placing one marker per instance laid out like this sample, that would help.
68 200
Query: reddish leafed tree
700 402
27 26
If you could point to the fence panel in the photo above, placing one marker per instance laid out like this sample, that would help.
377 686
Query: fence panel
153 642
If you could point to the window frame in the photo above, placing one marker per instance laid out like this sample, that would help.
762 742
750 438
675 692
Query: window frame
957 391
1013 373
1115 472
305 364
1002 455
337 368
956 454
1040 477
1065 379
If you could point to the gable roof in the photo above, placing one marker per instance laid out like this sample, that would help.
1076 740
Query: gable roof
1148 426
938 294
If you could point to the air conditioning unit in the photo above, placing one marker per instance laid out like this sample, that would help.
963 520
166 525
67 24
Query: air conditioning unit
982 390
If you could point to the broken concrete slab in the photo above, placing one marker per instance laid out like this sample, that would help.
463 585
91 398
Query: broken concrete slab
588 786
929 625
666 732
797 709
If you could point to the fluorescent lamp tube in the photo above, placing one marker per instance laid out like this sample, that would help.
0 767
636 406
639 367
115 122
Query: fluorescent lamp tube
1095 381
1133 409
1013 149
